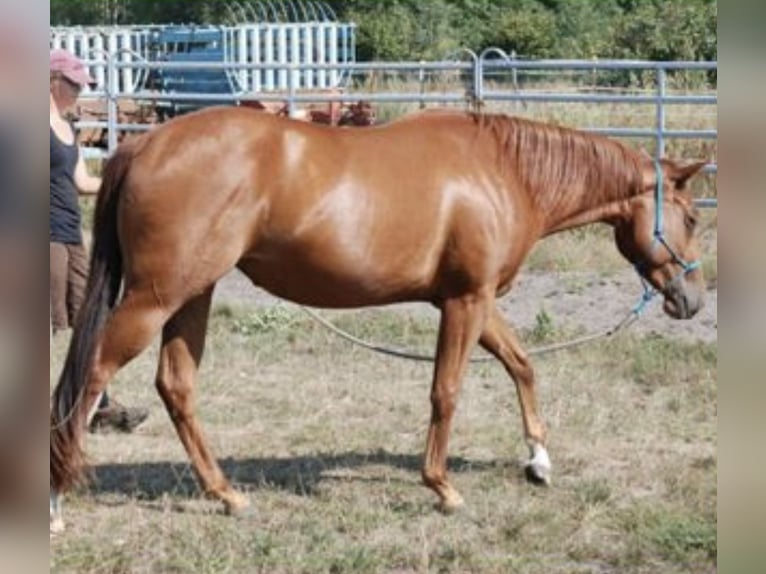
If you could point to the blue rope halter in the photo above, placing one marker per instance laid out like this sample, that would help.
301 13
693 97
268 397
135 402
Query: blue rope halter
659 238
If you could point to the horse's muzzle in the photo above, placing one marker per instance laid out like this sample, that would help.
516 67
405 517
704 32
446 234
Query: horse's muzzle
683 298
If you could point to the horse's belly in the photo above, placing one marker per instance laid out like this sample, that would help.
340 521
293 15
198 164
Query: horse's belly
332 285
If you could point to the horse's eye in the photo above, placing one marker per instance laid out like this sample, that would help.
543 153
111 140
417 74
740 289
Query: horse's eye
690 221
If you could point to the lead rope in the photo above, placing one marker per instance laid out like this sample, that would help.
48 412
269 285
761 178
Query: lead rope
630 318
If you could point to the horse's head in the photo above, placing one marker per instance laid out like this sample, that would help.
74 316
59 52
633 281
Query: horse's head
658 237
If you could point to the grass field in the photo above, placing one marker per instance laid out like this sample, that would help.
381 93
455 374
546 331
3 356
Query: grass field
327 440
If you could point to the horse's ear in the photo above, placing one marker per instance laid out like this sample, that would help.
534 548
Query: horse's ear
680 173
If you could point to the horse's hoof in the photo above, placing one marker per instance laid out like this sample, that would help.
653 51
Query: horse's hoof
537 474
451 504
238 506
538 469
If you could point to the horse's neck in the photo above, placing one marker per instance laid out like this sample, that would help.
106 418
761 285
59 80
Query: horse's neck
571 177
599 192
603 212
575 206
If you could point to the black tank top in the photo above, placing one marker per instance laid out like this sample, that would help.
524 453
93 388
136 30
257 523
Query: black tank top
65 215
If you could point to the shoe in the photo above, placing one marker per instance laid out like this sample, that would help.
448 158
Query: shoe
119 418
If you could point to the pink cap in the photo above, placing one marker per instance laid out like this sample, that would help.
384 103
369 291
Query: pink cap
71 67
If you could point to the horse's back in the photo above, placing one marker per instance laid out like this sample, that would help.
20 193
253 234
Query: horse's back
322 215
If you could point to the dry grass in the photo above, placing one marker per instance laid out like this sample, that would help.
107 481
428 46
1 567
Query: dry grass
327 440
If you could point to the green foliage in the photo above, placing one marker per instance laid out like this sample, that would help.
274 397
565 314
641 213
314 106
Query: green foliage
679 538
265 321
591 493
434 29
670 30
658 362
386 31
72 12
543 329
586 29
528 30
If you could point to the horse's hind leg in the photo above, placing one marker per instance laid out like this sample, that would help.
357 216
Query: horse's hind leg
500 340
461 324
127 332
183 341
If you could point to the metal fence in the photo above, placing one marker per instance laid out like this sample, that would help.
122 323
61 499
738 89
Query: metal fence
480 81
320 42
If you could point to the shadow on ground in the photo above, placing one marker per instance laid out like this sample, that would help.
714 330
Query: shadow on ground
298 475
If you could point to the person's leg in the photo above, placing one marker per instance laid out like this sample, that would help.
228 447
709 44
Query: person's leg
59 263
113 416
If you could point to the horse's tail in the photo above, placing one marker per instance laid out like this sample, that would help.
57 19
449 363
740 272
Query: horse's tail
70 399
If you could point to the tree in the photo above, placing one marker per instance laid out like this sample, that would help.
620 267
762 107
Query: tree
669 30
74 12
435 36
529 30
385 32
585 30
433 29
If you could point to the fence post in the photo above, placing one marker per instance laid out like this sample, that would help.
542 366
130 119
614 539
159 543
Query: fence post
514 71
661 90
422 83
291 91
518 104
111 103
478 81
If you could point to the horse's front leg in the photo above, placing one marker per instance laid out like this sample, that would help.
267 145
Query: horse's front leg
500 340
461 324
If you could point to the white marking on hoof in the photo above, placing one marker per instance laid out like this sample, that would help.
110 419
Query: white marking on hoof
56 520
56 526
538 469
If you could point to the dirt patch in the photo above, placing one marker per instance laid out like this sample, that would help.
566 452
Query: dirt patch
576 301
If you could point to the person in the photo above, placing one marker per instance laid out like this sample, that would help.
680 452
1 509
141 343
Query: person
68 254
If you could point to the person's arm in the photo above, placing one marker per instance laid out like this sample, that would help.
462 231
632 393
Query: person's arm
86 183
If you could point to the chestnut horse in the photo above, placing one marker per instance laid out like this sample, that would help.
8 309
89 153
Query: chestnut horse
440 207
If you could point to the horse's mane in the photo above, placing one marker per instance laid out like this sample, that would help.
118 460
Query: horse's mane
548 159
